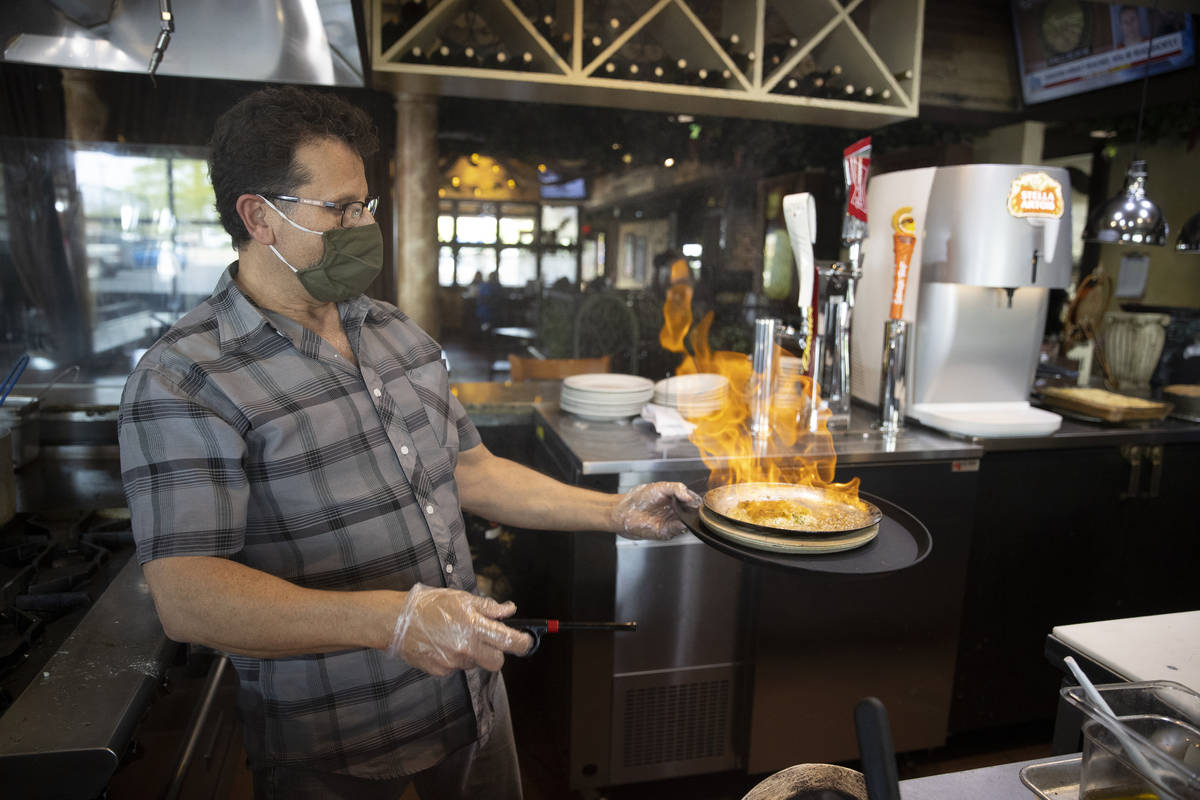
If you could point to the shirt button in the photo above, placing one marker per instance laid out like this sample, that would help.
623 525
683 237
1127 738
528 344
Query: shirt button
378 393
403 449
449 568
429 509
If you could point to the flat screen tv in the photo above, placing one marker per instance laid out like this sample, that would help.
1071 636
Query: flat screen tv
1065 47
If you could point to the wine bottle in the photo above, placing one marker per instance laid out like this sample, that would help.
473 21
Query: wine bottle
411 12
497 60
390 31
592 46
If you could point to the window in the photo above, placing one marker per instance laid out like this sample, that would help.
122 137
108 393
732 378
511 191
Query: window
136 242
526 242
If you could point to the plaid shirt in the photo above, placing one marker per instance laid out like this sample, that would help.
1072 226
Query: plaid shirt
246 436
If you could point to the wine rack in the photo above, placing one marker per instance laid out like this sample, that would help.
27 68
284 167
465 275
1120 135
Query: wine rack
852 64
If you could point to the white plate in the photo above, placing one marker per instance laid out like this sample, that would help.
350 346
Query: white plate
614 412
605 399
698 383
608 382
593 416
788 544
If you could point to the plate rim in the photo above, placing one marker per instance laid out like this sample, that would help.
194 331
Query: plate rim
875 514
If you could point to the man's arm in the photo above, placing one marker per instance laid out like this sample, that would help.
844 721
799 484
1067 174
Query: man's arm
237 609
503 491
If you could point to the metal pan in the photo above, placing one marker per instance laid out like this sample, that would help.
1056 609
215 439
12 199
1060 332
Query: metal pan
722 501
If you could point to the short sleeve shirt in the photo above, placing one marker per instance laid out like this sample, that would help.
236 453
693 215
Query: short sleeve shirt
246 436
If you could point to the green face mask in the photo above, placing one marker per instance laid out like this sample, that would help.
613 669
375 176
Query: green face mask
352 260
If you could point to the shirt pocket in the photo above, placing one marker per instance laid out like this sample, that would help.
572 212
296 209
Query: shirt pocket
431 383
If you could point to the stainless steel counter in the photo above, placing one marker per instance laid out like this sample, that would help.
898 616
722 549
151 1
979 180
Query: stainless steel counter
65 735
602 448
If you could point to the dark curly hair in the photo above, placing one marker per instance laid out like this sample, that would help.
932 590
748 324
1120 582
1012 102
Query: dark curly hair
254 143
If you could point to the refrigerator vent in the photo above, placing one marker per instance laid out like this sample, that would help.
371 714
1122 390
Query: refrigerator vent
664 724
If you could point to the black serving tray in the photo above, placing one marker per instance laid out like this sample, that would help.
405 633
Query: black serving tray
902 542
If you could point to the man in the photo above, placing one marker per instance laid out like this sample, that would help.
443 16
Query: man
295 466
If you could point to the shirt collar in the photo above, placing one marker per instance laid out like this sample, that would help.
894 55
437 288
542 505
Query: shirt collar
238 317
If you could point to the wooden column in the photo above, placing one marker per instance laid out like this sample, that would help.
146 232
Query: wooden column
416 182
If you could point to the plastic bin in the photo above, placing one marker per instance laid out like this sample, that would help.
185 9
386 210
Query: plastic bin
1162 720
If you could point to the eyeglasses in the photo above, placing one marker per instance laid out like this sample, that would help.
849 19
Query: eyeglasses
351 212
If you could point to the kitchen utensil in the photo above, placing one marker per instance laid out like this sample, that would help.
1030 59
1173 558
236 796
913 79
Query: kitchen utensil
13 376
902 542
537 628
875 746
1148 746
1112 723
893 387
21 415
722 502
1054 780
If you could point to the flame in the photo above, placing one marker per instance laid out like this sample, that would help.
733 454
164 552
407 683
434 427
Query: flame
723 437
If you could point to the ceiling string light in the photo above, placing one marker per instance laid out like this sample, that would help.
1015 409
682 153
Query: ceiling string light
1131 217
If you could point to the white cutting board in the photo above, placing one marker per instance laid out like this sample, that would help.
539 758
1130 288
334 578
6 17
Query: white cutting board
1162 647
987 419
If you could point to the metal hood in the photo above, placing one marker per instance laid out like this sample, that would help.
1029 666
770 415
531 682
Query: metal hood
280 41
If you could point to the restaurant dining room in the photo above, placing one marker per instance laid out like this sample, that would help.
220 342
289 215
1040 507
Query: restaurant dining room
599 399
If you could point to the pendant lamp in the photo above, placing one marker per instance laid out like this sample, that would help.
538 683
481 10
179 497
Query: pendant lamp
1131 217
1189 236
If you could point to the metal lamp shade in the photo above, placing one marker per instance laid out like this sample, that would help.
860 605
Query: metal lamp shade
1189 236
1130 217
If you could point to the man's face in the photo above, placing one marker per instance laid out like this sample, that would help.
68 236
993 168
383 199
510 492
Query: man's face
338 177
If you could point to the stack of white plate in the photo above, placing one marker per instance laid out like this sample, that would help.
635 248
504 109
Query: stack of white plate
694 395
601 396
788 389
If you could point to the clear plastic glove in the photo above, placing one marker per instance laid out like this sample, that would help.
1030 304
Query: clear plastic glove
442 630
646 511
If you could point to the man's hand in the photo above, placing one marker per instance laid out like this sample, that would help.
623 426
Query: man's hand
646 512
441 630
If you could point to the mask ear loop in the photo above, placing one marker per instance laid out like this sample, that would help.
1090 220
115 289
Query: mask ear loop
290 222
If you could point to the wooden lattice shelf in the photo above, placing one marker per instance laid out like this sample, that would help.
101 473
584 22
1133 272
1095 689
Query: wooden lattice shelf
823 62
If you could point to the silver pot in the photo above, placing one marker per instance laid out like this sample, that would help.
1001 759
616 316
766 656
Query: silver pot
8 486
20 415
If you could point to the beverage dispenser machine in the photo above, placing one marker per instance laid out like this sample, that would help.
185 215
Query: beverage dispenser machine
992 240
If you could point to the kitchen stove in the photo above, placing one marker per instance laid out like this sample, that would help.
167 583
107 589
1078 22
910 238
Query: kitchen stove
52 568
